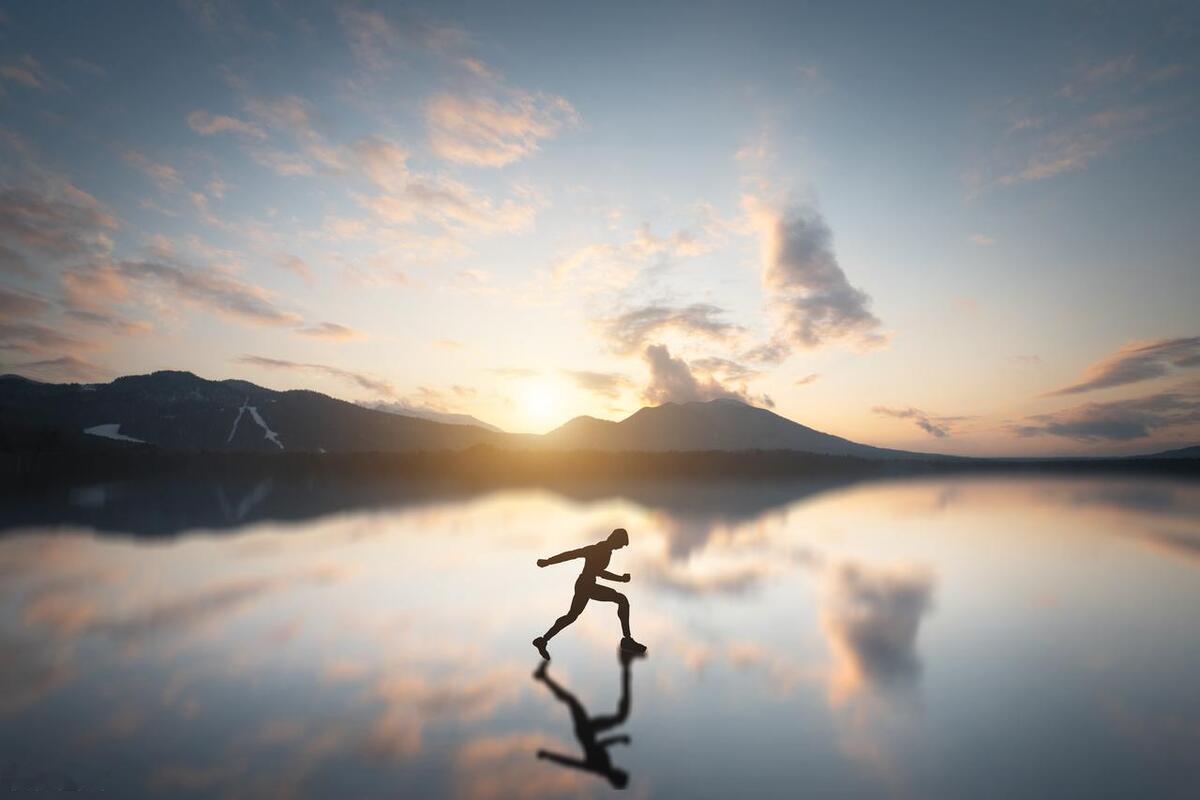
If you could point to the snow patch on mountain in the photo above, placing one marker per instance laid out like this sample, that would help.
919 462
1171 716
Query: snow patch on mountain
267 432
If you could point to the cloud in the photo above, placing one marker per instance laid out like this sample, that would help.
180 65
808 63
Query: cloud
807 379
1136 362
291 114
296 265
938 427
374 38
451 204
603 384
725 368
383 162
629 331
1118 421
284 164
112 322
407 197
493 767
57 220
493 131
206 124
166 176
370 35
672 381
20 304
734 579
294 116
13 263
60 368
1100 108
361 380
805 285
872 616
94 287
211 289
330 330
28 72
610 264
32 337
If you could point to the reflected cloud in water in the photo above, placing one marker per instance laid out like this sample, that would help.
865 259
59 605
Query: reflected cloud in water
872 616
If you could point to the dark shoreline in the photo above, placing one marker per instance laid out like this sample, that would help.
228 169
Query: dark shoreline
487 466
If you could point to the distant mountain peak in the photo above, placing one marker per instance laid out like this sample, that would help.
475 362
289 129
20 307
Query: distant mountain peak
721 424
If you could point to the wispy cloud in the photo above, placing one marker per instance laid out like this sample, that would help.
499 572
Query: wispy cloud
1100 107
28 73
166 176
26 336
111 322
376 39
214 290
407 197
603 384
491 131
609 265
57 220
936 426
1136 362
295 264
330 330
14 303
60 368
362 380
1118 421
207 124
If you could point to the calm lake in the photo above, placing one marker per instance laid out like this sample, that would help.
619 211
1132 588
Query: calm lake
963 637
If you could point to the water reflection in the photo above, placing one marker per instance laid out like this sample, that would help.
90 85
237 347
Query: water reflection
939 637
587 728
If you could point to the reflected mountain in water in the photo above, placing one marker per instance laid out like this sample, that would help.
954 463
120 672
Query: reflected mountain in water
169 506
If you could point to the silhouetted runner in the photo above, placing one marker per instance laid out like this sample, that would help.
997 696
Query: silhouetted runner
595 751
595 559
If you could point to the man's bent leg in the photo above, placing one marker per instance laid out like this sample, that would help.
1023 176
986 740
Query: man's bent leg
611 595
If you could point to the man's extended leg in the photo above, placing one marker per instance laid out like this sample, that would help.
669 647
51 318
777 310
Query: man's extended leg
577 604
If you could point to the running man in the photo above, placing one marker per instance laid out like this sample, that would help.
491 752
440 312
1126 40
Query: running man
595 560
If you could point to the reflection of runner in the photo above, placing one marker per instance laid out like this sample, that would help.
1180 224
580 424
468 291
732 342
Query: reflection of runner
595 751
595 559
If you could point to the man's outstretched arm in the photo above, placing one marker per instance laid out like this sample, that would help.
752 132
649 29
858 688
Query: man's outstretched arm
609 576
561 557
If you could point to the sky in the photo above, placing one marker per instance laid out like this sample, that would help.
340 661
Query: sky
961 228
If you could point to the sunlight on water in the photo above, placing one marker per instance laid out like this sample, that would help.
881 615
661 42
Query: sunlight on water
928 638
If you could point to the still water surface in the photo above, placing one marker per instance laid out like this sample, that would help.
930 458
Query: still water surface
934 638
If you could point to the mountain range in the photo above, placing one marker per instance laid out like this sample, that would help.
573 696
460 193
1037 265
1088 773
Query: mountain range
179 411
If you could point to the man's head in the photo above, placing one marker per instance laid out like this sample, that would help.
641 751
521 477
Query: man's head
618 538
